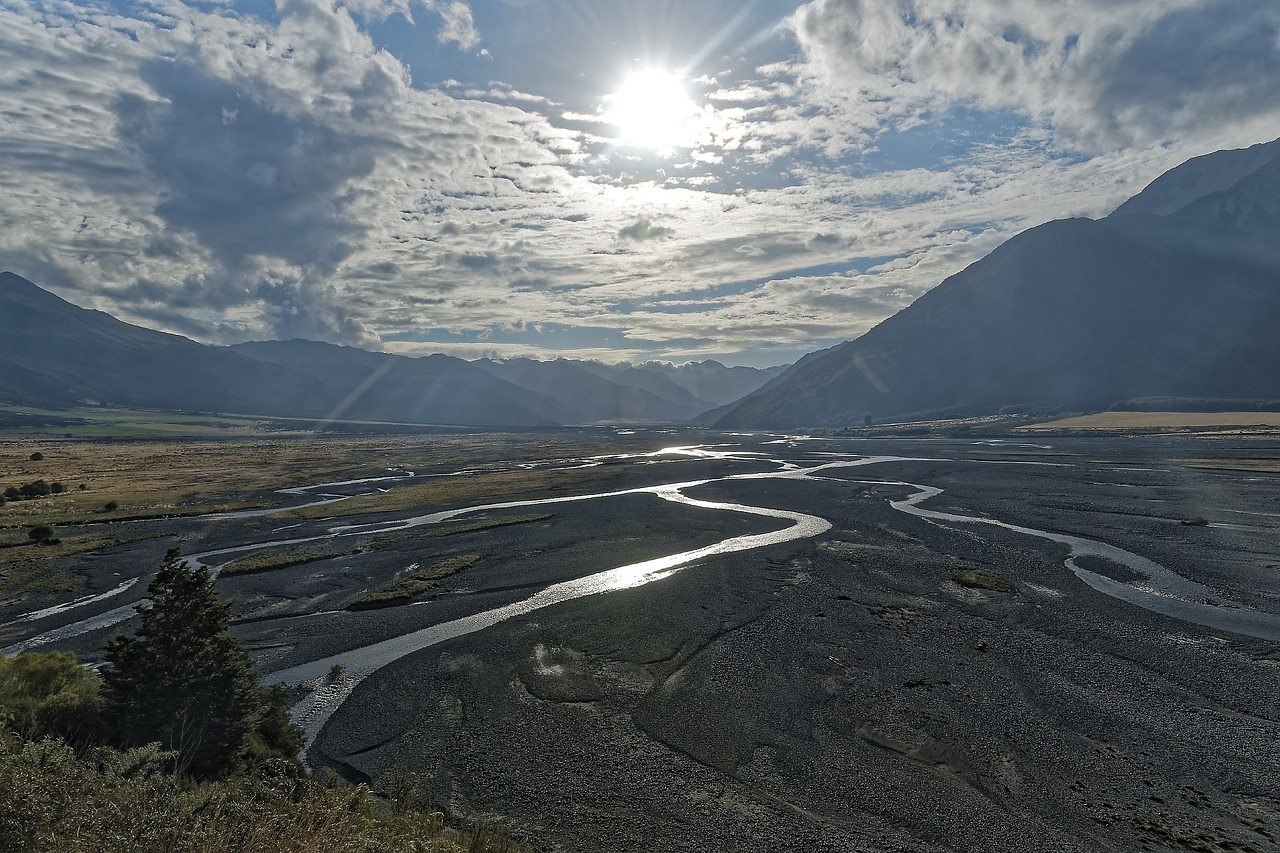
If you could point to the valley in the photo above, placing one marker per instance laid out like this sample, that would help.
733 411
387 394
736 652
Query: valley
611 636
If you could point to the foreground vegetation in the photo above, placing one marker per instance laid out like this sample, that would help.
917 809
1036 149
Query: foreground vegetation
126 800
176 747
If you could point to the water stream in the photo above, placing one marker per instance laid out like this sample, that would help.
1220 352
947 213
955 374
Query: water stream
1164 591
329 692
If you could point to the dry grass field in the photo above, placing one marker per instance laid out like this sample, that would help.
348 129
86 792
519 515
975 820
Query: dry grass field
146 478
108 480
1164 420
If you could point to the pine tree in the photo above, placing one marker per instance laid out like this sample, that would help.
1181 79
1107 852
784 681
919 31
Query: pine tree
182 679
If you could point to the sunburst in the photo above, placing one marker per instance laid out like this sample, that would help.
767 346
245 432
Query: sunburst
652 110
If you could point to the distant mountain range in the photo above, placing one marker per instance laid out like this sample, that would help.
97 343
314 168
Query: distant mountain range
56 353
1175 295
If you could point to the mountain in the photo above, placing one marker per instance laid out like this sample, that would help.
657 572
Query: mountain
652 381
56 353
591 398
60 354
713 382
1176 294
433 389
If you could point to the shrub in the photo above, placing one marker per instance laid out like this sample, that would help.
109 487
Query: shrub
111 506
982 579
275 737
37 456
50 695
35 489
40 532
124 801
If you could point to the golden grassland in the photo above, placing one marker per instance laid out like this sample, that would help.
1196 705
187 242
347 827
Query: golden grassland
149 478
491 486
982 579
27 568
146 478
280 558
1163 420
18 579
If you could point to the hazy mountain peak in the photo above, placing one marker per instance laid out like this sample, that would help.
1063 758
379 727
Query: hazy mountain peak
1199 177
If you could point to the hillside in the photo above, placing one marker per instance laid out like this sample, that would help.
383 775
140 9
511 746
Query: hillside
1174 295
58 353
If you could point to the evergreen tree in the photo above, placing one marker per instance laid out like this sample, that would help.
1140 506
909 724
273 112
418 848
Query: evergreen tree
182 679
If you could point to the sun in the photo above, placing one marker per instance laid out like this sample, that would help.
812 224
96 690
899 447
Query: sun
652 110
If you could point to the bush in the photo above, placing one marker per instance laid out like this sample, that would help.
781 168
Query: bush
124 801
50 695
111 506
275 737
35 489
40 532
37 456
982 579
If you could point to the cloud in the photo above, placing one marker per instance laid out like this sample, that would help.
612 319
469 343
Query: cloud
459 28
1103 75
231 165
457 24
642 229
245 179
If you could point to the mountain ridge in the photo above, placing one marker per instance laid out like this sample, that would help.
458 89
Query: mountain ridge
1075 313
60 354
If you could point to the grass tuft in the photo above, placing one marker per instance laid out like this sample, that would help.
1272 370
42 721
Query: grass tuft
407 588
262 561
982 579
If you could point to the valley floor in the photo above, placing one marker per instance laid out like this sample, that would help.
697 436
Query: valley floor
893 682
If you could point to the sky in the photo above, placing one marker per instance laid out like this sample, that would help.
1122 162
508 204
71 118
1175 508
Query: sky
609 179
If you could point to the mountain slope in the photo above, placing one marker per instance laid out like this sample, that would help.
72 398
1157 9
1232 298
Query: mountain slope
712 381
590 397
55 352
434 389
653 381
1075 313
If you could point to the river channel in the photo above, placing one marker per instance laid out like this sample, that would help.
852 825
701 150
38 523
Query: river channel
331 679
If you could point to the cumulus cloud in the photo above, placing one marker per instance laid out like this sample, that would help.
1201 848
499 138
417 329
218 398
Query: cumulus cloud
1102 74
642 229
226 164
245 179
